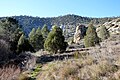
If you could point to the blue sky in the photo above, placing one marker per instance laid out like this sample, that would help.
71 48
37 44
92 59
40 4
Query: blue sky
51 8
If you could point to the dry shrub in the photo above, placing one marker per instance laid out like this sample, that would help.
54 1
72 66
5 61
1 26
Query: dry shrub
24 76
68 72
80 69
88 60
78 54
10 72
52 71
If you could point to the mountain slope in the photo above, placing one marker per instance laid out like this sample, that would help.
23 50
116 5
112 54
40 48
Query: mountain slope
68 21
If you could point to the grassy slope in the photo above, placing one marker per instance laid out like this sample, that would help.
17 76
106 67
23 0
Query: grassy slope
102 62
94 63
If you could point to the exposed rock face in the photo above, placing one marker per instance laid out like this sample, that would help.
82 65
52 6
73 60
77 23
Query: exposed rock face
113 26
79 33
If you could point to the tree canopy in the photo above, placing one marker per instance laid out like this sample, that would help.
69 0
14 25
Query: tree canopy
10 32
91 37
45 31
36 39
55 41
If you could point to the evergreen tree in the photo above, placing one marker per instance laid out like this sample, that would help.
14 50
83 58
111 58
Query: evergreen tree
32 33
39 39
36 39
91 37
32 38
38 31
23 45
55 41
14 41
45 31
9 26
103 34
11 32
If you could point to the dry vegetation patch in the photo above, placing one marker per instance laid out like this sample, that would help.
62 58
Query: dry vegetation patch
101 63
10 72
82 68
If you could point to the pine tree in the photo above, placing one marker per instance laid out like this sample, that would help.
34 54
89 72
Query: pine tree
55 41
38 31
21 40
9 26
36 39
11 32
45 31
17 34
32 37
103 34
23 45
91 37
32 34
39 39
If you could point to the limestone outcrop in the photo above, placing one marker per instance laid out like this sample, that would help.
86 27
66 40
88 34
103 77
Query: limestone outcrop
79 33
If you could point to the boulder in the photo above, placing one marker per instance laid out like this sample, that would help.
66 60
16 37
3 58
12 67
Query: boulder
79 33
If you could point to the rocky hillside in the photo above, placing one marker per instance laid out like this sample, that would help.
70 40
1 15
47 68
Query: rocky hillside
68 22
112 26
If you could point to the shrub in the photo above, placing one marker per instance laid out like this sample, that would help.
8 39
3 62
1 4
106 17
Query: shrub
76 54
36 71
24 77
104 34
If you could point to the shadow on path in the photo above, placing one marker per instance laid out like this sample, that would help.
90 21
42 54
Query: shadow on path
67 55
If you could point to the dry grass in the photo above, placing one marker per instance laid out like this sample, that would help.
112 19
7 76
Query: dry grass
79 69
10 72
99 64
24 76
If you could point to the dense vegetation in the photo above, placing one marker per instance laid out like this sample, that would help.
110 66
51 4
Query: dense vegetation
10 31
14 40
36 39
